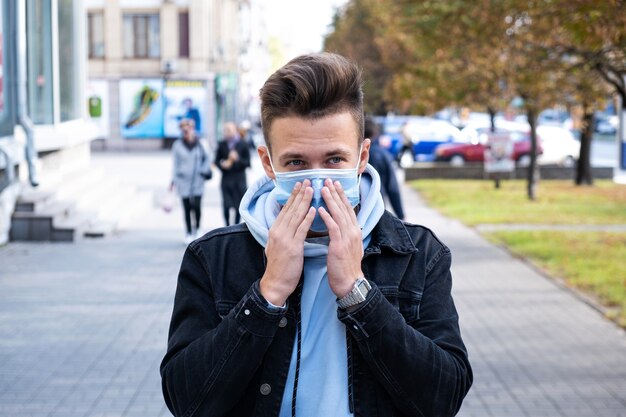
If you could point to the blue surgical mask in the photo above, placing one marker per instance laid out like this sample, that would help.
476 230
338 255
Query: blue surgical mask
348 178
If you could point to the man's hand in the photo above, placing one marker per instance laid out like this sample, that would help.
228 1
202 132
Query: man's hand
233 156
285 246
345 249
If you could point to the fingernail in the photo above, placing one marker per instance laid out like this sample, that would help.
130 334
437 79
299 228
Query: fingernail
338 185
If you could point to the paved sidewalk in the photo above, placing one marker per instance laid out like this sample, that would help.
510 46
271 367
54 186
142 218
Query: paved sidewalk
537 349
83 326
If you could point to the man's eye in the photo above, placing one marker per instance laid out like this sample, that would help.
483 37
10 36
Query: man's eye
335 160
295 162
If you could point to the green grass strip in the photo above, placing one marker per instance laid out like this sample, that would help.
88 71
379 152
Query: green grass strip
593 262
558 202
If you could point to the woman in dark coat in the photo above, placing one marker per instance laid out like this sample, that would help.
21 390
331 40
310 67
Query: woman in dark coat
232 158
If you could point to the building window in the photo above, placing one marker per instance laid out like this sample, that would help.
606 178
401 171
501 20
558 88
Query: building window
95 28
39 61
141 35
69 61
183 34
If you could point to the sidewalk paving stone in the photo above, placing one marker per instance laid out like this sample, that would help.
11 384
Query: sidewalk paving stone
83 326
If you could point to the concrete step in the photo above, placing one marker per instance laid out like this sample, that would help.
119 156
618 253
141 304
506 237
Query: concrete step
84 203
99 228
32 200
39 225
70 228
140 203
94 197
78 183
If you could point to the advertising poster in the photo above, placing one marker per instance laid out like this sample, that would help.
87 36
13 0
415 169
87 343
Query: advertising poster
97 96
184 99
499 153
141 108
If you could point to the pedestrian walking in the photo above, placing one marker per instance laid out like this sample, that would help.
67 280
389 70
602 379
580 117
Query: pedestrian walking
287 314
191 167
382 162
232 158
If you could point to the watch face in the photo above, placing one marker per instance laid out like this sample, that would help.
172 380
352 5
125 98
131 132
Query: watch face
363 287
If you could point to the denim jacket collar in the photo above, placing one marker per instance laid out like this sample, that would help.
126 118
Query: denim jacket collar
390 233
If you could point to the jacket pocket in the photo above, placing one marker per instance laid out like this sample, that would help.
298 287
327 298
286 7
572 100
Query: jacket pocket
225 307
406 302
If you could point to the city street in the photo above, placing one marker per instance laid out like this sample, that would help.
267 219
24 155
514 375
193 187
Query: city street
83 326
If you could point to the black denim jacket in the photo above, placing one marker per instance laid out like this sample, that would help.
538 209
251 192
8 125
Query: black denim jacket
229 354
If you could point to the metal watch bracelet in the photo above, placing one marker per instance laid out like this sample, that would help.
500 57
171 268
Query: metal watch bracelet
357 295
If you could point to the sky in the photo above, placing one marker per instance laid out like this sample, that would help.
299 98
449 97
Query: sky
301 24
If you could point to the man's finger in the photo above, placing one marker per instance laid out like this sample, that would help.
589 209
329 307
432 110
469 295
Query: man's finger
305 226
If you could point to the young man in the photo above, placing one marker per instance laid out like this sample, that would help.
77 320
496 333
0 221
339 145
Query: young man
232 158
382 162
287 314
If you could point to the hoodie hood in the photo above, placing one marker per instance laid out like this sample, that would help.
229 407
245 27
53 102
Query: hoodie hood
259 209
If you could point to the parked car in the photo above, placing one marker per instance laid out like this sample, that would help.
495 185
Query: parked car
391 137
559 146
606 124
474 150
414 138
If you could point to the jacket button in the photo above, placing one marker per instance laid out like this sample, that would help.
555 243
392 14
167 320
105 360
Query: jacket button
282 322
266 389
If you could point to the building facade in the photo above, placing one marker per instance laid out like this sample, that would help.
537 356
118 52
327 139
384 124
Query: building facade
44 130
153 62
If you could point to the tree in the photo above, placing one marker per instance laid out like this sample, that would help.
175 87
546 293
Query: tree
590 39
485 52
353 36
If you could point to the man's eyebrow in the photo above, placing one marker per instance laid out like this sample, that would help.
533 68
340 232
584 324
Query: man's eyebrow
338 152
297 155
291 155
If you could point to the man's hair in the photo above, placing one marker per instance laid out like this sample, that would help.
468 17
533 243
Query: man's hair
187 122
313 86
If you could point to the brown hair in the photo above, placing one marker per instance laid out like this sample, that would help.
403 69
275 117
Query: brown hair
313 86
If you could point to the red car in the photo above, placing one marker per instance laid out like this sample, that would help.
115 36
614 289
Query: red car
459 153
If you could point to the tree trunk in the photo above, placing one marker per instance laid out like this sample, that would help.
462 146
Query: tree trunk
533 171
584 175
492 118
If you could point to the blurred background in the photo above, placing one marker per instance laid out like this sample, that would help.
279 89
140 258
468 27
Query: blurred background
504 123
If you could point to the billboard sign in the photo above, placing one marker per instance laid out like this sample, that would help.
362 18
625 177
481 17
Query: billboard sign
141 108
185 99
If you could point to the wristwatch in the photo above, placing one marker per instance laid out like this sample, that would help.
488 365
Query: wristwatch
357 295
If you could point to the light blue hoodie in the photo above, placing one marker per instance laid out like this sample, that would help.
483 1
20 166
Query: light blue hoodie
323 375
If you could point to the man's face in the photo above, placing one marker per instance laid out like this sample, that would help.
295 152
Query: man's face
230 131
188 130
329 142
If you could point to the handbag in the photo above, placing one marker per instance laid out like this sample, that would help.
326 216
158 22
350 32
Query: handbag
208 174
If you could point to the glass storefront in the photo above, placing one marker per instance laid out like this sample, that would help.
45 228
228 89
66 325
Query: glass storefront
51 36
69 61
7 111
39 61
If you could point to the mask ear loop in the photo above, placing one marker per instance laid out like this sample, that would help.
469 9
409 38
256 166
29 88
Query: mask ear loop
272 165
358 164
